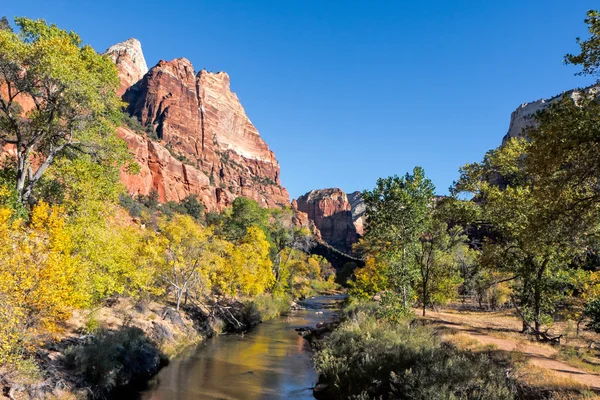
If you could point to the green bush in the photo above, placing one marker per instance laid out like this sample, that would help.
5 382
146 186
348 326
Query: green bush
368 358
131 122
269 307
593 312
114 359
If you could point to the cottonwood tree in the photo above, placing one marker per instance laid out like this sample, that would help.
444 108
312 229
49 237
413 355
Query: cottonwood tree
589 58
190 257
398 210
539 228
437 258
57 99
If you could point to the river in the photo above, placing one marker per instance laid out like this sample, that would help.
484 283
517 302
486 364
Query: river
270 362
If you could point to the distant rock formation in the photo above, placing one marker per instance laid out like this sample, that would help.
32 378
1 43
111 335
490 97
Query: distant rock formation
358 208
524 116
339 218
205 145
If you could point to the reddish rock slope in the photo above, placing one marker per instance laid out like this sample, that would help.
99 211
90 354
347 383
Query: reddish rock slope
206 144
331 212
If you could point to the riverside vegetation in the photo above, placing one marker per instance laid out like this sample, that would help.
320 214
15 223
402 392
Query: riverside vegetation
519 231
97 288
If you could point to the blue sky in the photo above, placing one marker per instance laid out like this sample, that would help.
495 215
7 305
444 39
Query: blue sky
345 92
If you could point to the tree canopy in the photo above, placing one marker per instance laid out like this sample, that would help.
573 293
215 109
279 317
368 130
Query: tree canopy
57 100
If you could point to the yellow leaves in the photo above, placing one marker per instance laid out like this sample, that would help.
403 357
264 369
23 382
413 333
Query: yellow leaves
116 260
39 280
254 262
370 279
198 262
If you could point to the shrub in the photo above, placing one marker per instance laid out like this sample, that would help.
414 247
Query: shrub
113 359
593 311
269 307
131 122
370 358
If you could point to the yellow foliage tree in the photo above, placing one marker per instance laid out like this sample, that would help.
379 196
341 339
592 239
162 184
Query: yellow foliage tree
370 279
254 263
190 259
40 282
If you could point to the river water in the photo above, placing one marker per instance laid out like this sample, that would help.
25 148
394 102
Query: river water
270 362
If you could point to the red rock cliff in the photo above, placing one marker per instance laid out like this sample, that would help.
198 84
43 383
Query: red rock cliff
206 144
332 214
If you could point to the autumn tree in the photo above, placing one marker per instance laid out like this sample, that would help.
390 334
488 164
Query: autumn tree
251 266
189 262
40 281
57 99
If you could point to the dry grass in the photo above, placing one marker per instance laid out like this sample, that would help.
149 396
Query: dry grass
125 312
573 349
537 365
579 357
543 378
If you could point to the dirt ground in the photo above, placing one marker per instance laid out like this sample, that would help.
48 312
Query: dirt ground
501 331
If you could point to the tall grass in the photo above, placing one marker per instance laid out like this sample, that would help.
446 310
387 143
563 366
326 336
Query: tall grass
268 307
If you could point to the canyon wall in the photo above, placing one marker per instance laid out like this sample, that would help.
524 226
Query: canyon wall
339 218
200 140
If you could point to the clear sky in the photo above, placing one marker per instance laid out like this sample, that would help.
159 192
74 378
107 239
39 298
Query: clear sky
348 91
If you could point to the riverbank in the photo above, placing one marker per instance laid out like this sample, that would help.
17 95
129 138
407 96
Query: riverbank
370 357
125 343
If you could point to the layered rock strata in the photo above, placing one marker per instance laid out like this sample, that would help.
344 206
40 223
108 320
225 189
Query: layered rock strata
200 140
339 224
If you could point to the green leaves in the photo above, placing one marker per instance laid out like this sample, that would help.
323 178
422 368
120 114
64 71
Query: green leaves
589 58
58 100
397 210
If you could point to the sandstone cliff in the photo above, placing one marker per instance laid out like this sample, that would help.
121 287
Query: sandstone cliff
130 61
358 208
524 116
332 212
204 145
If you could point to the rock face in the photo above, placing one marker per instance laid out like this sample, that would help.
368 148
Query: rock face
524 116
205 144
300 219
130 61
358 208
332 213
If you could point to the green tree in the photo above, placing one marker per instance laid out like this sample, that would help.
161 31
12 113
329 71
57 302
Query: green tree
244 214
589 58
537 231
57 100
397 212
193 207
437 258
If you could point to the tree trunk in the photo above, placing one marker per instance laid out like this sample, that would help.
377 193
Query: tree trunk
425 296
179 295
537 298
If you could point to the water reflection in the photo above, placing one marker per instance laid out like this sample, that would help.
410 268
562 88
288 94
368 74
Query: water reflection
271 362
